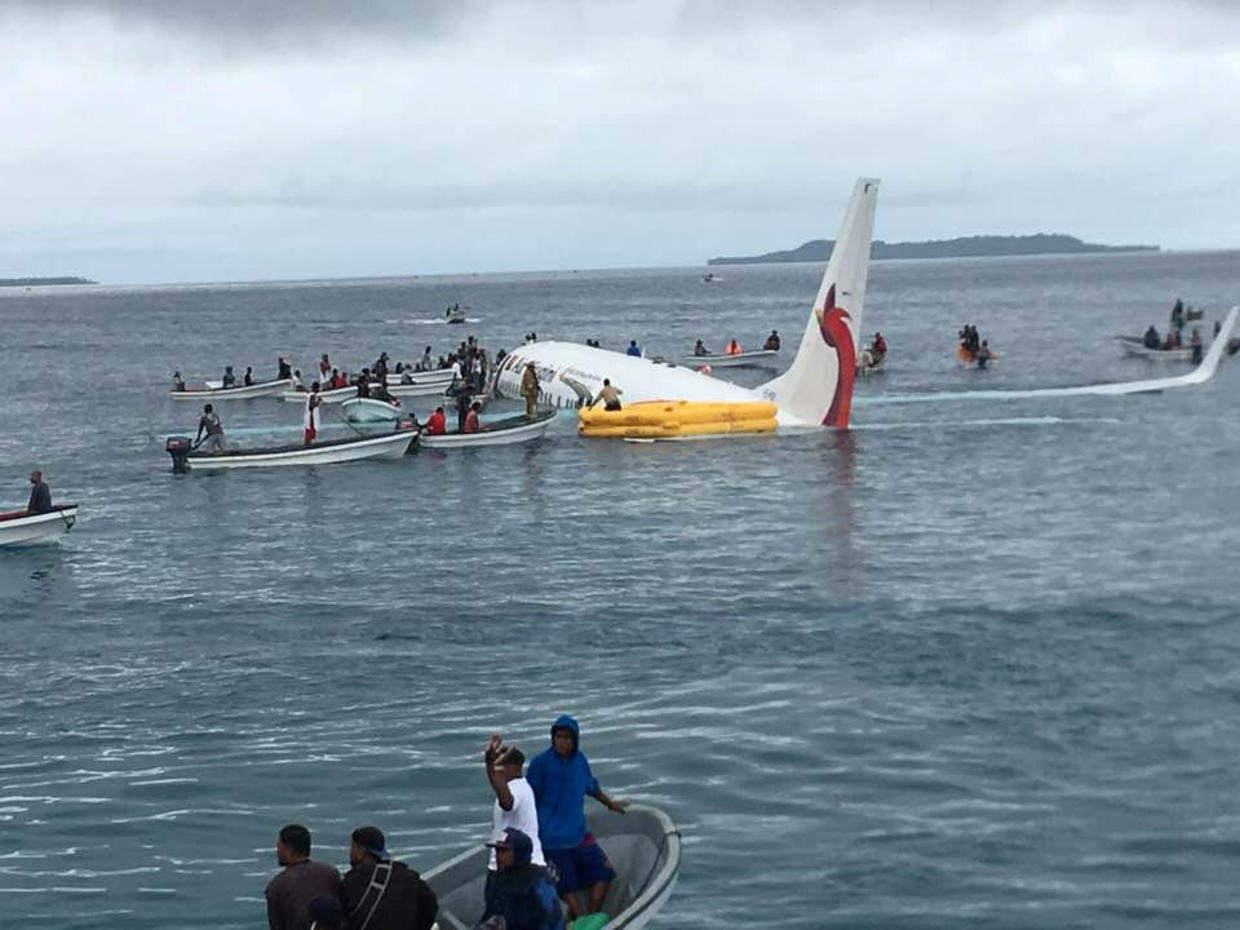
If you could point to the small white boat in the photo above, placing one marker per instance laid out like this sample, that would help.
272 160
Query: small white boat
1139 350
504 432
435 376
642 843
370 410
868 363
20 527
456 315
240 392
759 358
425 389
334 396
330 452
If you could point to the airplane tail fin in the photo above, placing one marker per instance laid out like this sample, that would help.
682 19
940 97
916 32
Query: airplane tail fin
817 387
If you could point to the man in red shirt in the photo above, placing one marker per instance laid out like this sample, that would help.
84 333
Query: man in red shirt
437 424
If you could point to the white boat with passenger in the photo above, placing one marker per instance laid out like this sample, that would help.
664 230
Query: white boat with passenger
758 358
434 376
506 432
238 392
1134 347
371 410
334 396
642 843
21 527
386 445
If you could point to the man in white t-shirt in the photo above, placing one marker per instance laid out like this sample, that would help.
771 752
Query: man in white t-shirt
514 799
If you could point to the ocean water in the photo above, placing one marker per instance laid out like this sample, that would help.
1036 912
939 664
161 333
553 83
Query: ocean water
969 664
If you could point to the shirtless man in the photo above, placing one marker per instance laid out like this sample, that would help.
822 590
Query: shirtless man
209 423
609 395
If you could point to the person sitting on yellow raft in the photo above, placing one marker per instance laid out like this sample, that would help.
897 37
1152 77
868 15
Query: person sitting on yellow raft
609 395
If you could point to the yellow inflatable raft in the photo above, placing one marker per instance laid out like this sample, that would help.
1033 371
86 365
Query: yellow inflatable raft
668 419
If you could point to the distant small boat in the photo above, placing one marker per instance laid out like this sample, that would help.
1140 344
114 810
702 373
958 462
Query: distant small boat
710 278
456 315
370 410
642 844
354 448
20 527
868 363
758 358
504 432
1135 349
239 392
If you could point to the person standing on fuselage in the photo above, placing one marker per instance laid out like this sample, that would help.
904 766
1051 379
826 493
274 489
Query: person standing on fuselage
561 779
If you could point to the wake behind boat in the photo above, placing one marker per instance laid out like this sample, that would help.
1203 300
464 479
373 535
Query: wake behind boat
642 843
388 445
21 527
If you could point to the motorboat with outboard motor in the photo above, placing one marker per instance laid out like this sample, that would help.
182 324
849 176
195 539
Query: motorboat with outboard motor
371 410
642 844
21 527
238 392
386 445
505 432
758 358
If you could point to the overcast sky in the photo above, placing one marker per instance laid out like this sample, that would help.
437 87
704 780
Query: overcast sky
186 140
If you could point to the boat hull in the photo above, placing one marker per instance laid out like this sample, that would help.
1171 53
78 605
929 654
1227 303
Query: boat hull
385 446
369 410
500 433
243 392
1135 350
642 844
334 396
20 528
760 358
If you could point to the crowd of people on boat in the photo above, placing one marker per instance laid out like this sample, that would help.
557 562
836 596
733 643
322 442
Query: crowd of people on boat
1174 337
733 346
544 867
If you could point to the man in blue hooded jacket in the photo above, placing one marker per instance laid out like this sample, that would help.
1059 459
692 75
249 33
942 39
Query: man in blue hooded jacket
561 779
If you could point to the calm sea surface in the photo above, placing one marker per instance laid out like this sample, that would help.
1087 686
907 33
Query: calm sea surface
974 663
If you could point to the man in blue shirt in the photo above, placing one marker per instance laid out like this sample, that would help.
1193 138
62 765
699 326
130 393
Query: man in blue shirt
633 349
561 778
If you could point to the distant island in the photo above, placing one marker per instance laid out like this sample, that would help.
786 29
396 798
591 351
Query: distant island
36 282
819 250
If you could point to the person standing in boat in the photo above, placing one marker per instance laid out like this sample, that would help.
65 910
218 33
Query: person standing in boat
380 894
313 402
249 376
325 366
428 361
284 371
299 882
363 383
178 383
529 389
1195 344
209 423
561 779
1177 315
472 423
40 494
229 379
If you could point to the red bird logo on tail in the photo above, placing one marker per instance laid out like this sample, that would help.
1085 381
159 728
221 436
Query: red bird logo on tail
833 324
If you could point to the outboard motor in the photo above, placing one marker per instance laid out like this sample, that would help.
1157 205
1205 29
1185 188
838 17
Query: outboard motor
178 447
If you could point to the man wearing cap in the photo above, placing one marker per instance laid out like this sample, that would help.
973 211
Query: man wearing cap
520 891
380 894
301 881
514 799
561 779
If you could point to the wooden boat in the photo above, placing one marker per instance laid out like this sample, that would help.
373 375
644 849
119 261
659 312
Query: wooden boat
642 843
506 432
240 392
370 410
759 358
20 527
388 445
